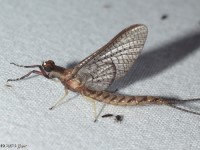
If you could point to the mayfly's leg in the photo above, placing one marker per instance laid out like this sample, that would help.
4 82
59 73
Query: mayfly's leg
100 112
41 72
60 100
95 110
32 66
93 105
96 116
26 75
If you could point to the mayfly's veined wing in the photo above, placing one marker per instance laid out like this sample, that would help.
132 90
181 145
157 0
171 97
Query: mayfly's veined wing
113 60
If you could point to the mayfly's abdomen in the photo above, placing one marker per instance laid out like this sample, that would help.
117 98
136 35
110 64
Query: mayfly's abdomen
122 100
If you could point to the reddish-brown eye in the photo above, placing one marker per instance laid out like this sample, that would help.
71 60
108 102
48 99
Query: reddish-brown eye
48 65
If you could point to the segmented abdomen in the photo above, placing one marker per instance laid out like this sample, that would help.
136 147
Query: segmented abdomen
119 99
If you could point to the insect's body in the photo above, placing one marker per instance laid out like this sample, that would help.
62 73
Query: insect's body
120 99
76 85
93 75
64 75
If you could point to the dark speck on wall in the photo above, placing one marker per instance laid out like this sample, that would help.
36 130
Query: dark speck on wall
163 17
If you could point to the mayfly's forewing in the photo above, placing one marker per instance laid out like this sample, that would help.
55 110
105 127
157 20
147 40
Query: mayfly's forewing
113 60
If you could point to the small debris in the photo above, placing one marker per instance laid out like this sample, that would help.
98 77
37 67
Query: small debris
107 115
117 118
165 16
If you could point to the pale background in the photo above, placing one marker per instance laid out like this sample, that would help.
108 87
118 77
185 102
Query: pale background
68 31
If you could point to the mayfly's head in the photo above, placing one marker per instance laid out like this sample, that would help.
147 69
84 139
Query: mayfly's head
48 65
53 71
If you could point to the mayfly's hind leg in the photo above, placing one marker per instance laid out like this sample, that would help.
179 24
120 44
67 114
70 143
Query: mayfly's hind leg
96 116
99 112
60 100
93 101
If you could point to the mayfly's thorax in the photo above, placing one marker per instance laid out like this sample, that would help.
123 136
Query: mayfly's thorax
74 84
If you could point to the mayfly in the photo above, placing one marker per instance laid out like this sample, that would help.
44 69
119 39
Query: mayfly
93 75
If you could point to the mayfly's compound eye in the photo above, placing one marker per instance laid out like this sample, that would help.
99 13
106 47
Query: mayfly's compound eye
48 65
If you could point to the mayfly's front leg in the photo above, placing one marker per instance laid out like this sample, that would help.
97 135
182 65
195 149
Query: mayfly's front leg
60 100
26 75
41 72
